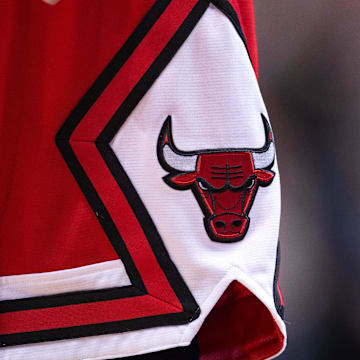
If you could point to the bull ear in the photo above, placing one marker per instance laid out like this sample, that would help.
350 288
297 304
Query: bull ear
265 177
183 180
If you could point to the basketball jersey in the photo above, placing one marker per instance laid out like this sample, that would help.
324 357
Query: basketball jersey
140 192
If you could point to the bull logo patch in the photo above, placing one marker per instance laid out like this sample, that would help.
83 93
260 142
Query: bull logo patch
224 181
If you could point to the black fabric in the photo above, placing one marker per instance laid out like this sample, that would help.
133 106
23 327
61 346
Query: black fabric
277 298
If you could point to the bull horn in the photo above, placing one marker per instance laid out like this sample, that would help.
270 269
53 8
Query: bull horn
171 157
264 157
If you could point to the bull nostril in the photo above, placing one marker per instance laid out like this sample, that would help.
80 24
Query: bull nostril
219 224
236 223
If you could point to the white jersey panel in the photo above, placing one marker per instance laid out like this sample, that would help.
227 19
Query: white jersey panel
91 277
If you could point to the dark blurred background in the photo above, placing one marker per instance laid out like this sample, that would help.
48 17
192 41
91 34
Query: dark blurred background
309 55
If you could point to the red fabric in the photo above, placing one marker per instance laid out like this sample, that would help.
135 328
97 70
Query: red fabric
239 328
49 57
83 314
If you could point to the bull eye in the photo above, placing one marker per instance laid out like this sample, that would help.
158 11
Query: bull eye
203 186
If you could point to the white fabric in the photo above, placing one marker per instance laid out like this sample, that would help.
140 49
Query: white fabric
104 275
212 94
179 162
262 160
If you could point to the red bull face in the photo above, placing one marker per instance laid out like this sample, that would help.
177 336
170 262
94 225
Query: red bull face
224 183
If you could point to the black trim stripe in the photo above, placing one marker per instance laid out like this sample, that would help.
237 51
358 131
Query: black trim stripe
279 307
71 298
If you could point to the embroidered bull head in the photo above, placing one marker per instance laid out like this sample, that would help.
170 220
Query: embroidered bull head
224 181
